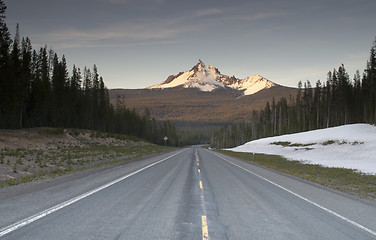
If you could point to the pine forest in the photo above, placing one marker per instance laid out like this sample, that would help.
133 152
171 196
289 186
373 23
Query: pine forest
338 101
37 90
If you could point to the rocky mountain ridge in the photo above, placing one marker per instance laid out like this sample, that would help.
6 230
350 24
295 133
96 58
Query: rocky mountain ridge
208 78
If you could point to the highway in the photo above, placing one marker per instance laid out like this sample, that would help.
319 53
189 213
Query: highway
191 193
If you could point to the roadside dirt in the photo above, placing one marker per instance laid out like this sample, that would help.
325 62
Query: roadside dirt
51 138
30 154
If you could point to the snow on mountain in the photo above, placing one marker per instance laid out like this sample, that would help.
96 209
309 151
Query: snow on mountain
208 78
253 84
350 146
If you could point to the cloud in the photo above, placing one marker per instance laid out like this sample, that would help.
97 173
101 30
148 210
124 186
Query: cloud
263 15
134 2
208 12
139 31
150 32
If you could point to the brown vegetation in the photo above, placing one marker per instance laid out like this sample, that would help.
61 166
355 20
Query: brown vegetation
192 105
30 154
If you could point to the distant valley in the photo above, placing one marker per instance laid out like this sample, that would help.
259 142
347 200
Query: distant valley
191 105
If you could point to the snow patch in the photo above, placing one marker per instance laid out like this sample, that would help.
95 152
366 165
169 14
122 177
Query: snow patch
349 146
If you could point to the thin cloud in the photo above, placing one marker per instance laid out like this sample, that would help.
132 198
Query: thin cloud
145 32
125 34
156 2
261 16
82 44
208 12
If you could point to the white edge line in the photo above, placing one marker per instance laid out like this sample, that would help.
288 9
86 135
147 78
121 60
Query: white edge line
44 213
303 198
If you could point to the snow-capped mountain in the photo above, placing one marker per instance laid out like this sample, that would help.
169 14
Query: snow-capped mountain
208 78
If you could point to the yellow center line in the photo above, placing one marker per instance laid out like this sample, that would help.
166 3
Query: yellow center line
205 233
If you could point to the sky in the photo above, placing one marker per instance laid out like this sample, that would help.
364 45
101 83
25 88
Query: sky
139 43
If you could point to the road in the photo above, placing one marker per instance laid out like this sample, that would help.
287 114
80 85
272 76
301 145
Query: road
188 194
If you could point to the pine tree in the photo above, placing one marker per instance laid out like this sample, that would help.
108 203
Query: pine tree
103 104
95 97
88 85
5 43
74 101
14 108
307 103
344 95
59 87
329 99
267 120
358 99
41 93
25 80
370 82
316 105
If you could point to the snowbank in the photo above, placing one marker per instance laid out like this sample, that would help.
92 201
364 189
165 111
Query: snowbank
349 146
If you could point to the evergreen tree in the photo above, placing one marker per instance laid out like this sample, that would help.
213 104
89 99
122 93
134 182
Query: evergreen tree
329 98
95 97
307 106
299 107
75 99
103 105
14 82
59 87
25 80
370 83
267 119
87 85
5 43
317 105
357 107
344 95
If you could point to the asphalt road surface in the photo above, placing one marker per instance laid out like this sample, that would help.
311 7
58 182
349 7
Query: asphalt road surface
188 194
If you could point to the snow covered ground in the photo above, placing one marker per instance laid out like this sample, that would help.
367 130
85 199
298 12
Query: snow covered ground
349 146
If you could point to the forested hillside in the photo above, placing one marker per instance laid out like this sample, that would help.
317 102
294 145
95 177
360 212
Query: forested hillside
340 100
37 89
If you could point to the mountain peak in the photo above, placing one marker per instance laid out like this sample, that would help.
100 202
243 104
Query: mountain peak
199 66
207 78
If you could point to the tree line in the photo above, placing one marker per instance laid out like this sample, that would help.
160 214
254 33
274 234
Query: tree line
37 90
340 100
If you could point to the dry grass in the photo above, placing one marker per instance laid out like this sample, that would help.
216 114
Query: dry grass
345 180
26 155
